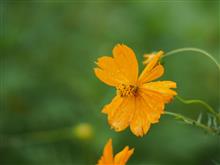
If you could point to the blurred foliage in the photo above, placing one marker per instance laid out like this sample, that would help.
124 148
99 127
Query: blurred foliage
48 89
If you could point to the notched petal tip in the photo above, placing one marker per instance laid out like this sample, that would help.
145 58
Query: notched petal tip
131 150
95 69
161 52
110 141
114 127
119 45
95 62
138 133
174 85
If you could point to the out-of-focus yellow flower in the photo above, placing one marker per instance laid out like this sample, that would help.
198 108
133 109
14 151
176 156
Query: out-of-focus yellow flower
120 158
138 102
83 131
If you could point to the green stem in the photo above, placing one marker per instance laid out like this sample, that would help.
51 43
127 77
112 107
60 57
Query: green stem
203 103
192 122
207 106
193 50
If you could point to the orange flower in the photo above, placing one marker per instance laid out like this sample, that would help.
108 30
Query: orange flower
120 158
138 102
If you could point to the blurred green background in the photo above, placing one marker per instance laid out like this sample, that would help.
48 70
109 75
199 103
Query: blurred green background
51 99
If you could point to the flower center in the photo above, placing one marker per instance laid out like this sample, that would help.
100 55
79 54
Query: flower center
126 90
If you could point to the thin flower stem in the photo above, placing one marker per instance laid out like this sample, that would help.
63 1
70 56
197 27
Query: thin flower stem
193 50
202 52
203 103
192 122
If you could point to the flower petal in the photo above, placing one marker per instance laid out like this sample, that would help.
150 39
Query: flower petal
126 61
139 124
120 112
153 104
121 68
108 71
122 157
152 70
163 88
155 73
115 103
105 77
107 157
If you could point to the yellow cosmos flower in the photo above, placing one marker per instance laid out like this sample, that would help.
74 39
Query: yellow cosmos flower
120 158
138 102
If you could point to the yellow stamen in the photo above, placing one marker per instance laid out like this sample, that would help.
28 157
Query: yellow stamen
124 90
